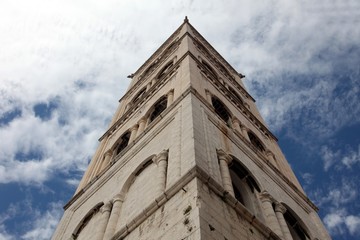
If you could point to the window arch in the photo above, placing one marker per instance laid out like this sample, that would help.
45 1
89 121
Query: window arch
245 187
87 222
158 108
256 142
123 142
165 69
221 110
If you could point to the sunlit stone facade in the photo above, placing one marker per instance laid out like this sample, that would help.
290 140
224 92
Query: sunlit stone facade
188 156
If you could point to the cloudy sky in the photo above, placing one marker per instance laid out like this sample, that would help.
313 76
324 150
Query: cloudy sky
63 67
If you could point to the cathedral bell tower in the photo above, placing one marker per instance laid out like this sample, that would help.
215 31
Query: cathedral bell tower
187 155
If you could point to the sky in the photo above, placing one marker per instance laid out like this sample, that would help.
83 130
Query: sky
63 68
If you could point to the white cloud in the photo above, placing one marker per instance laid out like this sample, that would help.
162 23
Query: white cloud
334 156
308 178
329 157
338 194
353 224
4 235
45 223
351 158
339 221
81 52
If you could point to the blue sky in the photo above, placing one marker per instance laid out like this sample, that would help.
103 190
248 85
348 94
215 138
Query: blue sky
64 66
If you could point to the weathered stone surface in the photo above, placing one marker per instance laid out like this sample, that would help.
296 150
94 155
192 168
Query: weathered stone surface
172 181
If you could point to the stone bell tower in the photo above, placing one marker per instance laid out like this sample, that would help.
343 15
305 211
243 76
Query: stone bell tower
188 156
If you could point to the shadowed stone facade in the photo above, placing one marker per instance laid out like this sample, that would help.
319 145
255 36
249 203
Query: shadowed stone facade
188 156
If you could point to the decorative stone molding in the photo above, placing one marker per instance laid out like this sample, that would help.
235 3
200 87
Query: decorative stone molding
162 156
222 155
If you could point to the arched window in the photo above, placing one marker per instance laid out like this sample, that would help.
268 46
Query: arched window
296 230
124 141
237 96
158 108
165 69
221 110
256 142
139 95
244 186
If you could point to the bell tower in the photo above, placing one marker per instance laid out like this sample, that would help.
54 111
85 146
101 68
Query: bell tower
187 155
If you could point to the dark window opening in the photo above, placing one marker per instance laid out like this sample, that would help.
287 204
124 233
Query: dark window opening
295 228
238 195
165 70
237 96
159 107
220 110
256 142
123 143
244 175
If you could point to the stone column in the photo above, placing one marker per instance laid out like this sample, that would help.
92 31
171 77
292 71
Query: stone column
224 161
270 156
170 98
269 213
279 211
161 161
107 158
208 96
148 86
101 226
141 128
236 124
244 132
133 133
114 217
